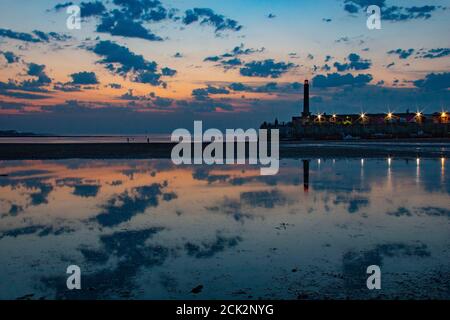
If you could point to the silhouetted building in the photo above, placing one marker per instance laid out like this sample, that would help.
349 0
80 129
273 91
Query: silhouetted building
306 113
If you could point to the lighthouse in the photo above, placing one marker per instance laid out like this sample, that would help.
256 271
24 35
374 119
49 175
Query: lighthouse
306 114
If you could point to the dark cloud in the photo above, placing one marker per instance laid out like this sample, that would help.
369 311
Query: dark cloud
121 60
434 81
204 106
118 24
265 69
230 59
46 37
392 13
354 62
37 36
207 16
337 80
61 6
84 78
402 54
40 77
18 35
433 53
203 93
89 9
23 95
86 191
10 56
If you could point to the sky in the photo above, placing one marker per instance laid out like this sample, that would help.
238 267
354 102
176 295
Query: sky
149 66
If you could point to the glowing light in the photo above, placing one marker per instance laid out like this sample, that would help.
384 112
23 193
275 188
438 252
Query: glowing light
389 161
418 161
443 114
390 115
443 161
334 116
363 115
419 114
319 116
362 162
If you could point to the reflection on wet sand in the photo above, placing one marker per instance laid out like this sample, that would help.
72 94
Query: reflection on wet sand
147 229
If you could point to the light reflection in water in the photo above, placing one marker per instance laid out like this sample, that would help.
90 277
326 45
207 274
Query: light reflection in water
147 229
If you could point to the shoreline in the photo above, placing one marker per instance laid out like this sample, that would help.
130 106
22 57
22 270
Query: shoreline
292 149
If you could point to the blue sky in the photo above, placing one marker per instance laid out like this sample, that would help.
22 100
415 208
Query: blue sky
240 67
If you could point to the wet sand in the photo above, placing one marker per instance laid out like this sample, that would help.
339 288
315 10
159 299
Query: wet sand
339 149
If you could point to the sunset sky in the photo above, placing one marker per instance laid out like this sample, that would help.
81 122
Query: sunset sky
149 66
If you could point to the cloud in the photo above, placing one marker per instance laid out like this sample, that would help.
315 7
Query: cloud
392 13
37 70
121 60
204 106
434 81
10 56
23 95
265 69
203 93
209 17
354 63
433 53
117 24
337 80
37 36
402 54
89 9
230 59
46 37
84 78
18 35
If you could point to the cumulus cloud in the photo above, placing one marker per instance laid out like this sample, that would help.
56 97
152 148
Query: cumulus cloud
433 53
203 93
121 60
207 16
84 78
10 56
337 80
355 62
117 24
434 81
402 54
392 13
266 69
89 9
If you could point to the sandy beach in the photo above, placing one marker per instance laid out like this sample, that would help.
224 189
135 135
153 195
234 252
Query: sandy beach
431 148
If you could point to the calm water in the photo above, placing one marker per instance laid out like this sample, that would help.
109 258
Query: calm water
149 230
